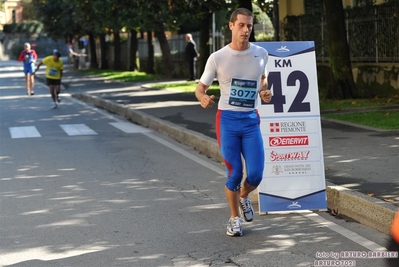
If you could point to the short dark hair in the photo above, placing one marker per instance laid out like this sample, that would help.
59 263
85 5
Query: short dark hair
58 54
240 11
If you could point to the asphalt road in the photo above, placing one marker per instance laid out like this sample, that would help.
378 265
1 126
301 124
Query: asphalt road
90 188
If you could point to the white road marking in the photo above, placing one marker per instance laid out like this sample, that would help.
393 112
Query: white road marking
24 132
128 127
77 129
368 244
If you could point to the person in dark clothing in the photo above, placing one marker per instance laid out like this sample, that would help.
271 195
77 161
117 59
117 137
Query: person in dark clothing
191 55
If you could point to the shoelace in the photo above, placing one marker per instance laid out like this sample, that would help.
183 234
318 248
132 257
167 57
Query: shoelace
246 205
236 222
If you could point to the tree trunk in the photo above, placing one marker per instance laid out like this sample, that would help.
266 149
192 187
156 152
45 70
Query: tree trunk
104 55
248 5
340 62
205 23
133 50
117 50
166 56
93 52
150 60
276 21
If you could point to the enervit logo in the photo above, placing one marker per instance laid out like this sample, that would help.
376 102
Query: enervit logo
288 127
288 140
296 155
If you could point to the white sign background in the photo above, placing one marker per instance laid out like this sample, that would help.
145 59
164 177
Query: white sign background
293 178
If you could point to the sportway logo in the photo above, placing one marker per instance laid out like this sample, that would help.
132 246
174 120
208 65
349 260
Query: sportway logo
290 156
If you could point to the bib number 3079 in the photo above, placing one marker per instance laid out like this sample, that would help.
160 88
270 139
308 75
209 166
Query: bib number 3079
275 84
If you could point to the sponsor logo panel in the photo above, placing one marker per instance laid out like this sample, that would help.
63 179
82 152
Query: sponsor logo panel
298 140
281 155
292 126
292 169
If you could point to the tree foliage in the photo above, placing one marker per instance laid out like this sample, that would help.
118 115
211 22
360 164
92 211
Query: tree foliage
98 18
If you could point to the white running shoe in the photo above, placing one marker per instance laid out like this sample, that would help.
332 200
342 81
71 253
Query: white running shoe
246 209
234 226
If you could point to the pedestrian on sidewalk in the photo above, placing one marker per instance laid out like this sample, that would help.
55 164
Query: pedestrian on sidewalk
240 68
72 55
54 69
191 55
28 56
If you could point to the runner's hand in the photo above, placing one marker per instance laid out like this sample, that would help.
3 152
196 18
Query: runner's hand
207 101
265 95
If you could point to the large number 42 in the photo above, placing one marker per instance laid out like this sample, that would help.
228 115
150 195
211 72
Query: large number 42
278 99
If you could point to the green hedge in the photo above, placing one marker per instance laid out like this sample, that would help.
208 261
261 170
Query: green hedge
31 27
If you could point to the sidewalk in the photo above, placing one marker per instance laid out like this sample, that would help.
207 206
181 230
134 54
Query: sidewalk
362 164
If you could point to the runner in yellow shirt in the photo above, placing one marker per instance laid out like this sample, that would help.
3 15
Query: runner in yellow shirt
54 68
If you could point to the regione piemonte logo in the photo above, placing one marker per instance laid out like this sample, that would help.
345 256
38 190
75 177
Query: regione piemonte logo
274 127
288 127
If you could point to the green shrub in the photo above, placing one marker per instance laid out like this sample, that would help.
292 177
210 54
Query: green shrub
31 27
9 28
16 50
263 37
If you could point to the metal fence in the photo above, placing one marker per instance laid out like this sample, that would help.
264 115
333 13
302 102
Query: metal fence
177 44
372 36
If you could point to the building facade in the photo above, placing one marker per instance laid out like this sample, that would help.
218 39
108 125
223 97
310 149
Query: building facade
11 13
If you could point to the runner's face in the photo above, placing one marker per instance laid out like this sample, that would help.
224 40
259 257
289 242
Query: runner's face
241 28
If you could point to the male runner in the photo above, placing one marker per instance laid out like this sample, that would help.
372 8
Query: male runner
240 68
54 68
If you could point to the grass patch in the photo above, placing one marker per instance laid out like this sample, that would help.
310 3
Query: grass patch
125 76
387 120
189 87
358 103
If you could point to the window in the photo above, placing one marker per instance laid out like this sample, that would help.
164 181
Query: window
364 2
313 7
13 16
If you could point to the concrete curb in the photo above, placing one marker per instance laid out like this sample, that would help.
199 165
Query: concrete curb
366 210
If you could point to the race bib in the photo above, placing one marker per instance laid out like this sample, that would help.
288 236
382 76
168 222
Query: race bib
52 72
243 93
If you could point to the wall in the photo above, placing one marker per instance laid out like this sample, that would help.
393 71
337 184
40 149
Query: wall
372 79
290 8
11 5
380 79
